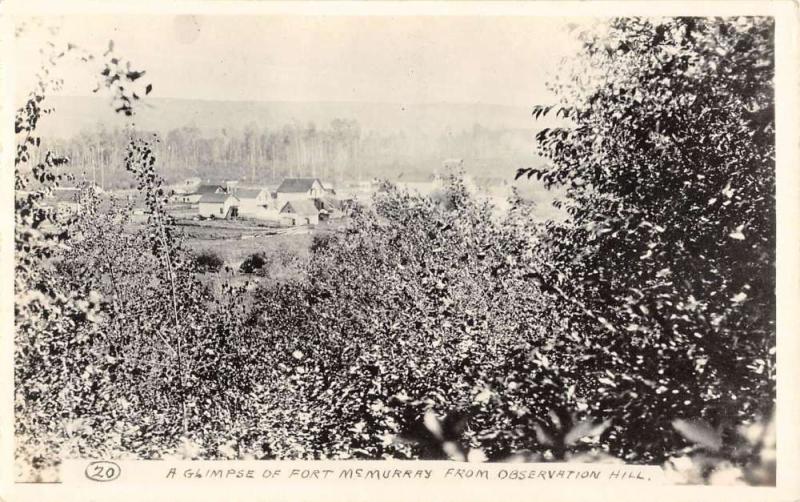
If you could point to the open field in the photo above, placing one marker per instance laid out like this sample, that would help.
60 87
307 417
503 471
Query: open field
233 251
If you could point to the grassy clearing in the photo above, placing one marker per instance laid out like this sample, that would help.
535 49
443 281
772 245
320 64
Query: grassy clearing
234 250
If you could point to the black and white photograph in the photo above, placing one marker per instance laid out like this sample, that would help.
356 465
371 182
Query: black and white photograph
478 239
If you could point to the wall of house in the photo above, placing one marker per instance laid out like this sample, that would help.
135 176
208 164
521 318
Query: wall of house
300 219
261 213
216 209
316 190
251 206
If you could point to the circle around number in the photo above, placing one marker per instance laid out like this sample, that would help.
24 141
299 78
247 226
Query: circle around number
102 471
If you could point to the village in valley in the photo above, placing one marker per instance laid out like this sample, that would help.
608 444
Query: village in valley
296 201
305 202
236 221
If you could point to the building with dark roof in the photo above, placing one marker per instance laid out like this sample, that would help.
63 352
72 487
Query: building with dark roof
299 188
194 197
299 185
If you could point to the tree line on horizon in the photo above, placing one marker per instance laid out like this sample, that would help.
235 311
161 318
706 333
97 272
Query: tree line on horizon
339 152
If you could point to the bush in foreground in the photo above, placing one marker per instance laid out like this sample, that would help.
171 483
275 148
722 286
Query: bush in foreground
208 261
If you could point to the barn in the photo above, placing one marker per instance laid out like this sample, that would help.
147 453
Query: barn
300 212
218 205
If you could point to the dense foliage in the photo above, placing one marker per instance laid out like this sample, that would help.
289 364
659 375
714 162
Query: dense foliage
405 310
669 254
638 329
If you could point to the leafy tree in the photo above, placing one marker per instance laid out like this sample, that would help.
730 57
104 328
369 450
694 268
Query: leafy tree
667 264
54 323
408 310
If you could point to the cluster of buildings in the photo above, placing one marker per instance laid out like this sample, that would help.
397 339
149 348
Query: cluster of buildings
296 201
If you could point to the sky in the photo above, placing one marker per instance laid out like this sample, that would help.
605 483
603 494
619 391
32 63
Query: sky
411 59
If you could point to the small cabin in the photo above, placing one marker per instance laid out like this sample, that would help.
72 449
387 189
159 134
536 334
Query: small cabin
218 205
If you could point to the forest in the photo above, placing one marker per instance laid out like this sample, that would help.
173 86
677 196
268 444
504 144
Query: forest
339 152
640 329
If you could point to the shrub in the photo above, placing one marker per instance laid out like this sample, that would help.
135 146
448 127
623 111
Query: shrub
253 263
208 261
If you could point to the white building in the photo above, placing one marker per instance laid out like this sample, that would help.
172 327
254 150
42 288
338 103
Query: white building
218 205
300 212
298 189
253 200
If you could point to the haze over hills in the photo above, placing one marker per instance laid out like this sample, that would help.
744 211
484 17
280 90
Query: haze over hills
74 114
267 141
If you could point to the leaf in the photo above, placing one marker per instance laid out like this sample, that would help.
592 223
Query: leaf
134 75
148 89
737 234
739 297
484 396
542 436
453 451
585 428
432 423
698 432
541 135
606 381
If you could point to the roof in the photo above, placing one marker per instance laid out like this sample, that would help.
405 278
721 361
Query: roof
300 207
297 185
215 198
202 189
248 193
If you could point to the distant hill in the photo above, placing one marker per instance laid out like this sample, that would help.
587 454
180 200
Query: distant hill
401 142
74 114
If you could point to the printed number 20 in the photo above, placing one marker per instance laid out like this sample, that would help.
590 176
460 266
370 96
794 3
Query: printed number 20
103 471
